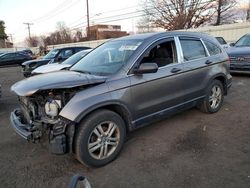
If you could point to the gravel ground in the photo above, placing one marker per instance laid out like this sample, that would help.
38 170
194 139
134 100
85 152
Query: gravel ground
191 149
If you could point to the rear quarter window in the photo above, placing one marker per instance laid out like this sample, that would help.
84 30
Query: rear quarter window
192 49
212 48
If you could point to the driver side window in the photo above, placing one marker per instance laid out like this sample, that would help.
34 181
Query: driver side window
66 53
162 54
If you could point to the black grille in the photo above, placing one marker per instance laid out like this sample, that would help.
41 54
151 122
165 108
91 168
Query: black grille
240 59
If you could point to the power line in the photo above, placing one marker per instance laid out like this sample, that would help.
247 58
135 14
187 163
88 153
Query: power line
101 13
114 16
74 22
58 12
49 13
83 24
116 10
111 21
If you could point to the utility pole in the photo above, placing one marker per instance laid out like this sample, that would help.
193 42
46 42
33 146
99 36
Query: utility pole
88 31
28 24
11 37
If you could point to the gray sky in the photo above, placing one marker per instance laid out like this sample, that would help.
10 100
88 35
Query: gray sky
46 13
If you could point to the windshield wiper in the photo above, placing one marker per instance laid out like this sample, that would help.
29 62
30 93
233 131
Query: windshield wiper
81 71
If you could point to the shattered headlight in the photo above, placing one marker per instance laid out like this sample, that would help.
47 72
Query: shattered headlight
52 107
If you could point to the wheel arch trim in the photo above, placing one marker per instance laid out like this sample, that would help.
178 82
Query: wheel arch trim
116 106
221 77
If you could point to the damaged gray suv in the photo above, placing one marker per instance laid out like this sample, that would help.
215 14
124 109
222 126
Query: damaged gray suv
118 87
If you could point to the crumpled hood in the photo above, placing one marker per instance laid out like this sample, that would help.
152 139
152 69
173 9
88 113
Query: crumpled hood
35 61
54 80
50 68
238 51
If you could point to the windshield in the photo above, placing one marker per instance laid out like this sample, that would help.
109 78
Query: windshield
51 54
107 58
74 58
243 41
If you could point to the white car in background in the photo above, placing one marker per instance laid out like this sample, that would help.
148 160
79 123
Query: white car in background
51 67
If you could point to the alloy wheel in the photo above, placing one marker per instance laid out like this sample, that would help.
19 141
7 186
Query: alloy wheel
215 97
103 140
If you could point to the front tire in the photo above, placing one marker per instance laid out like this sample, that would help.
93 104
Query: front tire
214 98
100 138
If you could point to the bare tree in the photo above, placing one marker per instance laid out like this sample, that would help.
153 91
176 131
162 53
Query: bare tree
224 11
32 41
144 25
179 14
248 11
63 33
78 36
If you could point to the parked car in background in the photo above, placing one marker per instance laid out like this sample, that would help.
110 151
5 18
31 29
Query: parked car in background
118 87
13 58
56 55
28 51
222 42
239 55
51 67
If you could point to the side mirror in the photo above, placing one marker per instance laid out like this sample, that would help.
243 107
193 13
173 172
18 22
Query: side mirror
146 68
232 44
59 58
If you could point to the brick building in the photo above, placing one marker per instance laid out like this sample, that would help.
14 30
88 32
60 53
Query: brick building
97 32
5 44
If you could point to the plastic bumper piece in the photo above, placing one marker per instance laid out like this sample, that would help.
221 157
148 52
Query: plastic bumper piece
20 128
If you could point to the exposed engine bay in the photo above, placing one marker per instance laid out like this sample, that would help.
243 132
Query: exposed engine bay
40 114
42 98
45 106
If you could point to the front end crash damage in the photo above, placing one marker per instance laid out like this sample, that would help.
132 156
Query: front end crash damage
38 115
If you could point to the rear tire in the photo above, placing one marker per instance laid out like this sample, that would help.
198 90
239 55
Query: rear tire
100 138
214 98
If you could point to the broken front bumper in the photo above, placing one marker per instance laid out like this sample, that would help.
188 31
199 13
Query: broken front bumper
60 138
22 129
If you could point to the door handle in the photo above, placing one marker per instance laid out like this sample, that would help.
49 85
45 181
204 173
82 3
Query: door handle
175 70
208 62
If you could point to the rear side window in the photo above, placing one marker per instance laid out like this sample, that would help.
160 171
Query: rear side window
20 55
212 48
192 49
80 49
9 56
